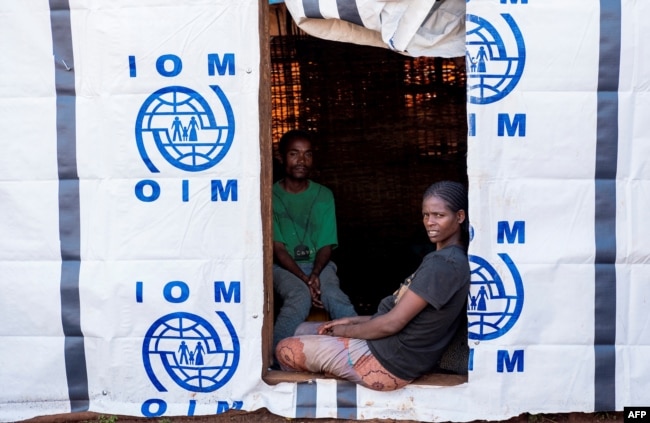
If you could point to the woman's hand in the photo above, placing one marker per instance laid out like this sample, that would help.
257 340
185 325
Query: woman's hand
336 330
366 327
328 328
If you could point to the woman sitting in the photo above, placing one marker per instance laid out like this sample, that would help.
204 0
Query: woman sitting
411 329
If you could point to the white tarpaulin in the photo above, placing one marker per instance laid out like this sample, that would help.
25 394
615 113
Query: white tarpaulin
434 28
131 247
130 202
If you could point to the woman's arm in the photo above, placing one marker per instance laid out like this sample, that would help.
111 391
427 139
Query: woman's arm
385 325
326 328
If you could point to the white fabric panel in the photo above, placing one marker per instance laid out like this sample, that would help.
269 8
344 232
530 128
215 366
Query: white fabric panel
32 369
196 242
562 288
125 241
177 255
404 403
633 194
632 368
543 177
32 343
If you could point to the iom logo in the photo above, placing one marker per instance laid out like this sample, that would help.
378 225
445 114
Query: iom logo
186 350
494 303
495 58
177 125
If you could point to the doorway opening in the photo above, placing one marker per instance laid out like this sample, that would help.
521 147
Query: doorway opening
387 126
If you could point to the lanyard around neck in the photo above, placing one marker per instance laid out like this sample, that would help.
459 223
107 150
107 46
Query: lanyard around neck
293 221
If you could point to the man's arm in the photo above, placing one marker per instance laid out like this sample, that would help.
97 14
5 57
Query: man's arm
285 260
322 258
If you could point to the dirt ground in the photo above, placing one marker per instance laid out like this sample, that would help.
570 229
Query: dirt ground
264 416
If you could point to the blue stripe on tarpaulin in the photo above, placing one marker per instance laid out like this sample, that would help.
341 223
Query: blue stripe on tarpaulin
306 400
346 400
312 9
349 12
605 219
69 230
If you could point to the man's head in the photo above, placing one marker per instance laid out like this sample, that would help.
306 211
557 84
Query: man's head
296 154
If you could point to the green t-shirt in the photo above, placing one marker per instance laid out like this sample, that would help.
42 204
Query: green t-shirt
307 218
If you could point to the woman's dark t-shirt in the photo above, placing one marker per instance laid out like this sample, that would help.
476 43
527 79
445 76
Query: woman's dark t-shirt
442 280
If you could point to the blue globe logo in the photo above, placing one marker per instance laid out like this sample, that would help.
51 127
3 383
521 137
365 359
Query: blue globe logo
186 349
493 69
178 125
494 305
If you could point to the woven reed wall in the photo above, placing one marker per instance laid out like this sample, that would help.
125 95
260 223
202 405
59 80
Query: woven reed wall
387 127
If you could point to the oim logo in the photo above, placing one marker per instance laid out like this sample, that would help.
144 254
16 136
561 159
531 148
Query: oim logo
494 303
186 350
495 60
177 125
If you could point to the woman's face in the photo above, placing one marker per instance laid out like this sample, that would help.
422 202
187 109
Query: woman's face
442 224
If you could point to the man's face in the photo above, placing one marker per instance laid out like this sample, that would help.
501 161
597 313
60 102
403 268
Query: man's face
298 159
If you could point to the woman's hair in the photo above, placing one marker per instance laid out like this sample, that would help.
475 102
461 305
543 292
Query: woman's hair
454 195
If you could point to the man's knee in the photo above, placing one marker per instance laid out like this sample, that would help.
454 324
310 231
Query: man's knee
296 293
297 302
287 285
329 279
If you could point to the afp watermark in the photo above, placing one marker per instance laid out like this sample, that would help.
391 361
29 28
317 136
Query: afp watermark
636 414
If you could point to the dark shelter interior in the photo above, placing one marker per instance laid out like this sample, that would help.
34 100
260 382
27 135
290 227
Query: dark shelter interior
387 127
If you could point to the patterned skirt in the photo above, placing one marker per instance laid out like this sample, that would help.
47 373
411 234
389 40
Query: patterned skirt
346 358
